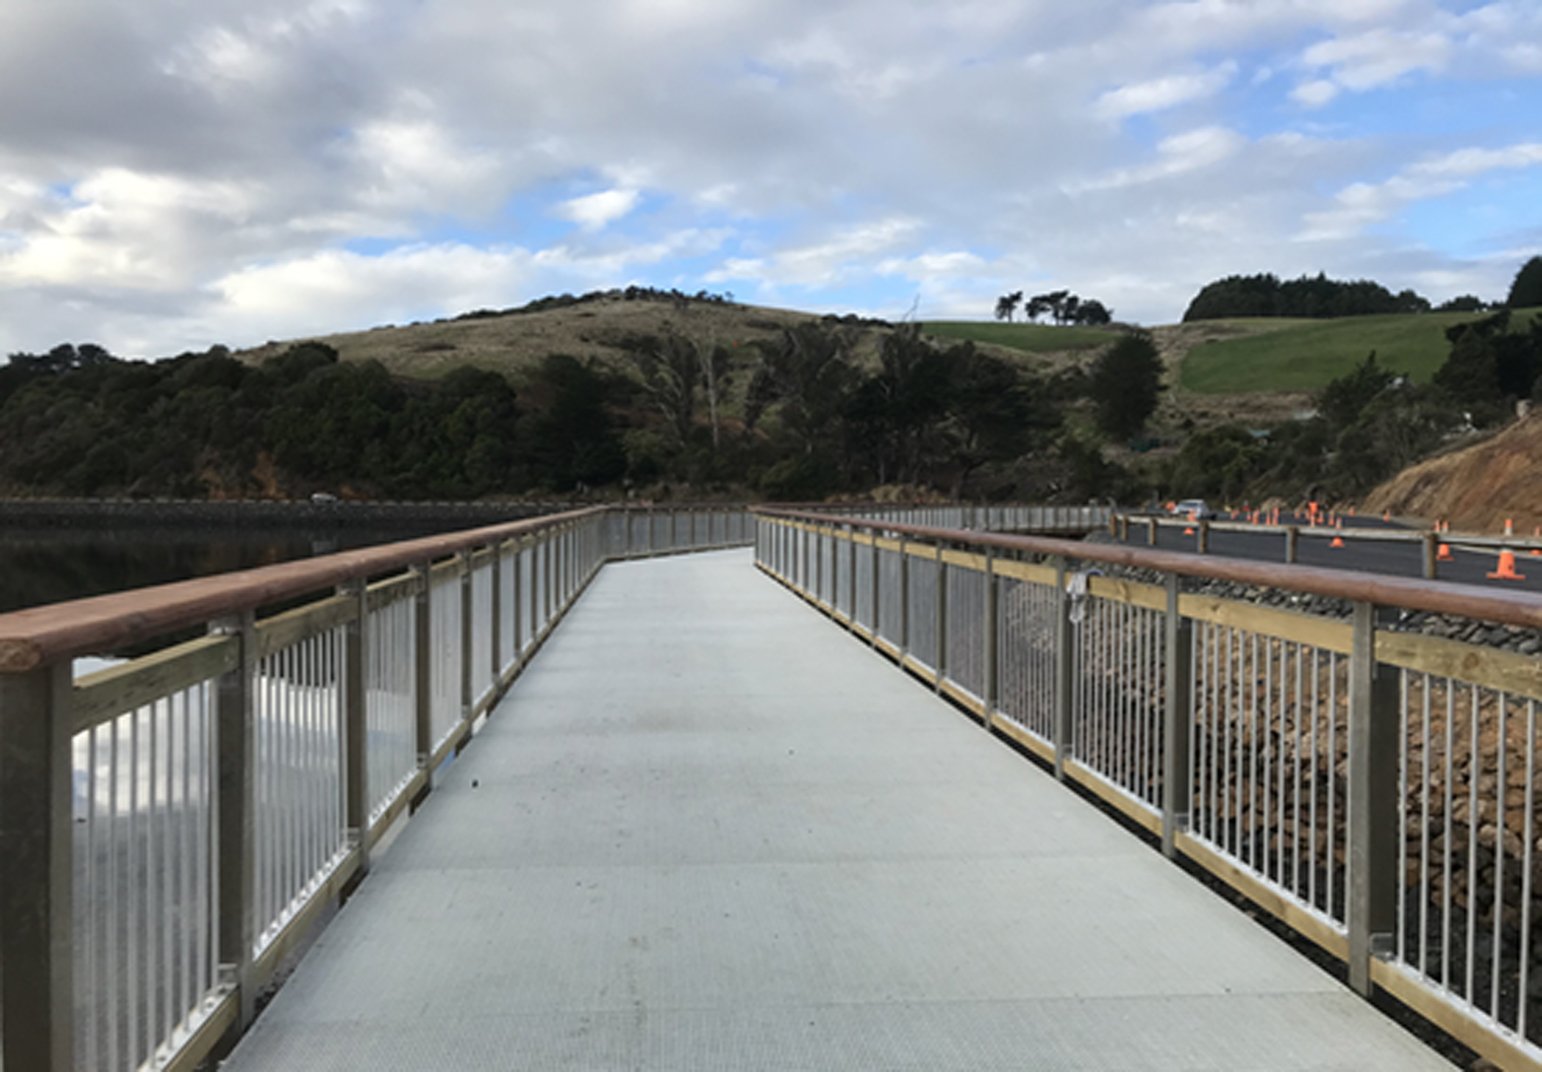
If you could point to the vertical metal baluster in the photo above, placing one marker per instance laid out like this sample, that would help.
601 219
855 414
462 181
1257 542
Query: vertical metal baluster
1332 774
1424 829
169 1014
1524 990
1311 874
1450 831
1474 772
1503 711
136 923
89 897
1314 781
1254 798
1402 827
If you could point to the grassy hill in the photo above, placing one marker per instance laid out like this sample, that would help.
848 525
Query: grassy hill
1303 355
1028 338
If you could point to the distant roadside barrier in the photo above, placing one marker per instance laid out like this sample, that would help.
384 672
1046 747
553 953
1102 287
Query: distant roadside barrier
1436 544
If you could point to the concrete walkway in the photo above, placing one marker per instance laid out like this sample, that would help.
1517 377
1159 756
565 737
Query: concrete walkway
709 831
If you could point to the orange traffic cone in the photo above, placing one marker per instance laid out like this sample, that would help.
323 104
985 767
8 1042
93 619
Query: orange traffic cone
1443 553
1506 570
1386 515
1537 551
1338 537
1509 526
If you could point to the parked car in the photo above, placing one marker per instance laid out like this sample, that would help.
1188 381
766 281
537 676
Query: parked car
1197 509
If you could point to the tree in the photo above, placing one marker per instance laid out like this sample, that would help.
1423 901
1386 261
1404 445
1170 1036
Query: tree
1094 313
1006 305
1124 385
1526 290
1342 400
1462 303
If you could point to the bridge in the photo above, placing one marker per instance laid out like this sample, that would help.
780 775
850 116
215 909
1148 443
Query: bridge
588 801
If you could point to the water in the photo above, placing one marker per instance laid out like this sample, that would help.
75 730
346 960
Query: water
50 565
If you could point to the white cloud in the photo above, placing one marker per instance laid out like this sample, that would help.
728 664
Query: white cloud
594 211
175 173
1177 155
1159 94
1314 94
1362 203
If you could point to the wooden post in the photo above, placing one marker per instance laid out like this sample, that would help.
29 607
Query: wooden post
1370 911
36 835
1178 721
1065 654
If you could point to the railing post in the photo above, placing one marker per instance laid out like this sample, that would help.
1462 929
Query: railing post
851 578
1178 720
904 601
1065 653
495 630
1203 544
467 635
877 590
36 835
236 734
989 686
422 654
516 592
1370 912
355 723
1431 543
1151 532
1292 542
941 662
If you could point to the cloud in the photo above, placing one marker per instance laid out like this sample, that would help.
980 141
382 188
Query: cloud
594 211
1177 155
1159 94
238 170
1362 203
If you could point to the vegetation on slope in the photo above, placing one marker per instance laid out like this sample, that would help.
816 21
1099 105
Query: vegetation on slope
1304 355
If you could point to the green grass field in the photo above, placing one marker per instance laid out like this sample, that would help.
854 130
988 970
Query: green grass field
1304 355
1029 338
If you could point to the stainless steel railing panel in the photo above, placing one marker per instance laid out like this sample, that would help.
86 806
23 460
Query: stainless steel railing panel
1118 694
508 567
445 643
1468 906
965 630
483 677
1270 745
922 612
146 903
1025 656
299 828
390 685
891 612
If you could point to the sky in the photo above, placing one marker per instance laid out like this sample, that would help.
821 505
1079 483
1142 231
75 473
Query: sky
180 173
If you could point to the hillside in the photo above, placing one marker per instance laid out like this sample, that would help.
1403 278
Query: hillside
1303 355
1477 487
603 329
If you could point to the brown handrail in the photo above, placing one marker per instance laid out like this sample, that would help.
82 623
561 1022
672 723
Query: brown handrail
1437 597
40 635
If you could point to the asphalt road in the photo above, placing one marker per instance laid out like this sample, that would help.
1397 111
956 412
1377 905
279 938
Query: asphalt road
1401 558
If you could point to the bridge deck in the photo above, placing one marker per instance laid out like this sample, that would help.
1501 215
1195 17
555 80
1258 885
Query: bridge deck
708 831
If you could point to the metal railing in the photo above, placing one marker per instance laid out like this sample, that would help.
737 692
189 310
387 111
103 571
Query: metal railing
176 825
1373 787
1432 546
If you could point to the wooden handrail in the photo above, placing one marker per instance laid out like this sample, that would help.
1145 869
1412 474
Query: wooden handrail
1509 607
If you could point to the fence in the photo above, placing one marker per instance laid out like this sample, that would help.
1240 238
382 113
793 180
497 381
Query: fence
176 825
1432 547
1372 787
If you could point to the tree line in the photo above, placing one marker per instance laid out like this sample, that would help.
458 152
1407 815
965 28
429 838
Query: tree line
809 413
1061 306
1318 296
